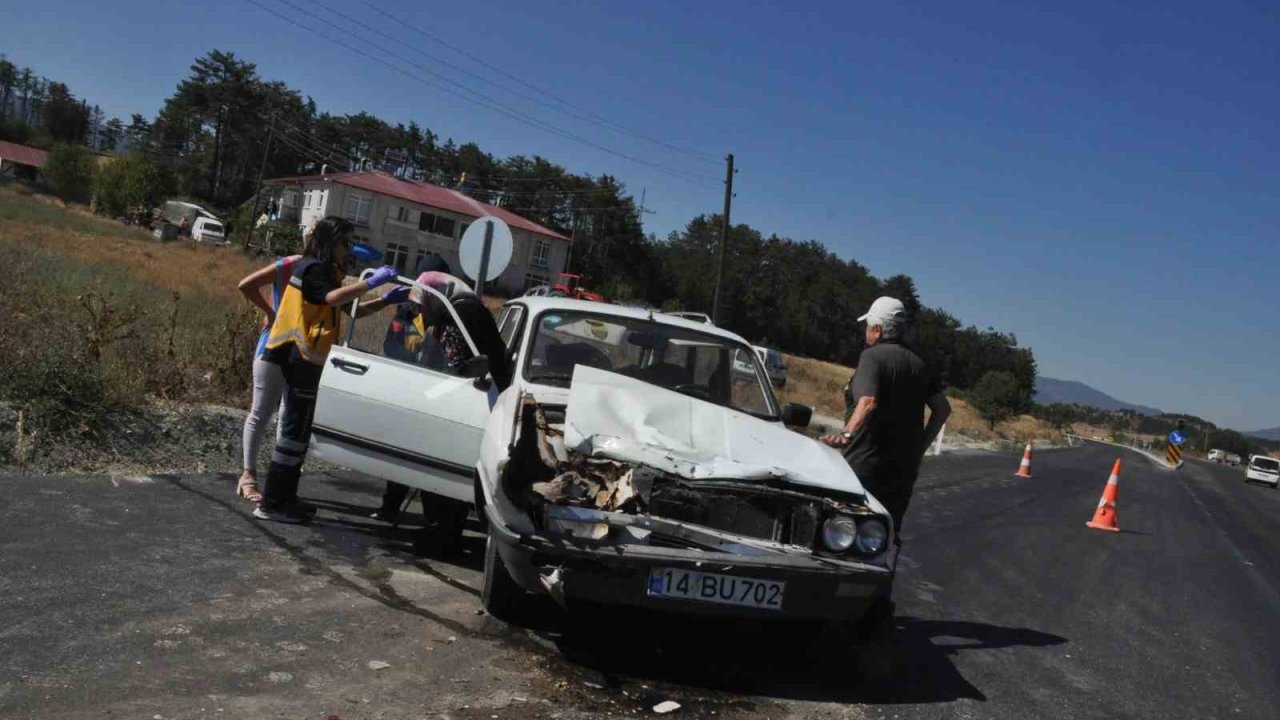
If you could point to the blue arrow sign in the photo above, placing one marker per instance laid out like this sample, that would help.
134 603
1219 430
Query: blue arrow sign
1177 438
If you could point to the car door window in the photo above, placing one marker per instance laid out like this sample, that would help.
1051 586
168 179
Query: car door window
398 333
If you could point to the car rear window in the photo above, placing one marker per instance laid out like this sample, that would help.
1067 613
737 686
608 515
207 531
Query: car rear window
1268 464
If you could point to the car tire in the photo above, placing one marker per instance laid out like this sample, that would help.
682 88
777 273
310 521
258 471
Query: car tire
444 519
501 596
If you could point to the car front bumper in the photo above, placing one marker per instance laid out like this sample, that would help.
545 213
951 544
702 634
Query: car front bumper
618 574
1260 478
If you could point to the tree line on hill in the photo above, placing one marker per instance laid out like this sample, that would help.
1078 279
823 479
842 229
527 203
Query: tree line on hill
1202 435
209 140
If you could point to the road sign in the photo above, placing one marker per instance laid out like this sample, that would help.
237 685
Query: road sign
1177 438
485 250
1173 456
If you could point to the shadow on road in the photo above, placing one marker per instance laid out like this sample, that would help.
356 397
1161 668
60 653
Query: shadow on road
913 665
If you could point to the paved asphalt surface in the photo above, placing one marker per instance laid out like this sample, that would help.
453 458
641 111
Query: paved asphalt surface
160 597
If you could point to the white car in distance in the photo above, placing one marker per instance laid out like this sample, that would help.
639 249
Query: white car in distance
208 230
1263 469
636 459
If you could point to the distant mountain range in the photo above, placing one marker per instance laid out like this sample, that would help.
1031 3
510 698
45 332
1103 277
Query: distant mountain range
1050 390
1268 434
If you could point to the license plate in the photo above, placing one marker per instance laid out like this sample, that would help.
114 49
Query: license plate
716 588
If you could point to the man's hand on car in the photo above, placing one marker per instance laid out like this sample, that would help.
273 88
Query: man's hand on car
836 441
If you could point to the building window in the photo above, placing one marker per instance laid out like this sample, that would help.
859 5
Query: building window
436 224
402 213
357 209
462 229
541 254
290 198
397 257
532 280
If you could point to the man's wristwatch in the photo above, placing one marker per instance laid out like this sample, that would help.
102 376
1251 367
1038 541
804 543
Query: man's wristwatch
846 435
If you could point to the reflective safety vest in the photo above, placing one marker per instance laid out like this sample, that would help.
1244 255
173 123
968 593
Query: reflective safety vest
311 328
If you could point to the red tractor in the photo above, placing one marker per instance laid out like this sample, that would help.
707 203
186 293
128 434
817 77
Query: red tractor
570 285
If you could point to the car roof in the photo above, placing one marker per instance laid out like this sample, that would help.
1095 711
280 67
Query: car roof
537 305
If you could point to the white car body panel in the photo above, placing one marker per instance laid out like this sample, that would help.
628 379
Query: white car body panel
622 418
401 422
405 423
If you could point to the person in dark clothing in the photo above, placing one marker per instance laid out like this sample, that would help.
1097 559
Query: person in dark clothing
885 435
478 323
304 329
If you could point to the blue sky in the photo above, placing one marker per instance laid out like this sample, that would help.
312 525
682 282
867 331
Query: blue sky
1099 180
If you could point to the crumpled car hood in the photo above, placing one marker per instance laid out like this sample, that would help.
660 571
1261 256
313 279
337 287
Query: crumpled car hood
614 416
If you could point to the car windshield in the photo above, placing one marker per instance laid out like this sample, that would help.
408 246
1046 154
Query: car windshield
213 227
701 365
1268 464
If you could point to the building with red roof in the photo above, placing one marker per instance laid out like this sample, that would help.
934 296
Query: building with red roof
409 219
21 161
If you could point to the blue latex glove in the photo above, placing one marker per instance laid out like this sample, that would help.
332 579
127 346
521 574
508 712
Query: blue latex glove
381 276
396 295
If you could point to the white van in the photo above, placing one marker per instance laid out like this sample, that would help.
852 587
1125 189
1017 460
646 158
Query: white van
773 364
1263 469
1216 455
208 230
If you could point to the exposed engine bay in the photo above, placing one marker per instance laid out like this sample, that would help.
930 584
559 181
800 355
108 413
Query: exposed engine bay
595 499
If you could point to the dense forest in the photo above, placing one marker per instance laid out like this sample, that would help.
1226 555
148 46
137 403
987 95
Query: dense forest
211 135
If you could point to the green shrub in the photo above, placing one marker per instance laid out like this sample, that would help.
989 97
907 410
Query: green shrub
129 184
996 396
70 170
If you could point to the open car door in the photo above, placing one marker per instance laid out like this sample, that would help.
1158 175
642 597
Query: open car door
391 410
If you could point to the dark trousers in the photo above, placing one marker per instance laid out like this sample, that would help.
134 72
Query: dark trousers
483 330
302 381
393 498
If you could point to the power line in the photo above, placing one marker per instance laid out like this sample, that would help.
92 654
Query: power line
308 152
485 101
566 107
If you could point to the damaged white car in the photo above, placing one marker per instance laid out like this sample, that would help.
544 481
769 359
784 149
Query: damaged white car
636 459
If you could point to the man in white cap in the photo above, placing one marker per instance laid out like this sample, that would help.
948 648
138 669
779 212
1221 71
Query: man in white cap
885 434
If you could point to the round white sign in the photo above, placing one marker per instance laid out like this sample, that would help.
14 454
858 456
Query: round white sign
472 247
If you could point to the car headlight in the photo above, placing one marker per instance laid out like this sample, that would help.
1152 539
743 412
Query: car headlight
872 536
839 532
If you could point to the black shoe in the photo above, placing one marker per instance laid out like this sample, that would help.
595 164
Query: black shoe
285 514
303 508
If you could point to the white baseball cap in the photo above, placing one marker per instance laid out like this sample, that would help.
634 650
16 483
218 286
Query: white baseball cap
885 309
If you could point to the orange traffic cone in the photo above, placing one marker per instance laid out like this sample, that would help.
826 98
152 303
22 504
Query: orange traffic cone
1105 517
1024 468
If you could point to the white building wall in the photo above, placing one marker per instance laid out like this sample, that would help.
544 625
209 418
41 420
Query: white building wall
382 230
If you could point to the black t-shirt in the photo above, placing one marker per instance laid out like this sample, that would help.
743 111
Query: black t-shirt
317 282
886 452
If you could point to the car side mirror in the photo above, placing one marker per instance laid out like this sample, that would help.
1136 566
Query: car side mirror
796 415
475 368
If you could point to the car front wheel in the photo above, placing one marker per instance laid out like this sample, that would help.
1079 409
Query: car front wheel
502 597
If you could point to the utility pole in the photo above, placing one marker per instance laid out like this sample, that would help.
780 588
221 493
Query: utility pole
642 211
257 189
724 237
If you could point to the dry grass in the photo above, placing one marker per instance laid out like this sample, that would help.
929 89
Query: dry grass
815 383
182 266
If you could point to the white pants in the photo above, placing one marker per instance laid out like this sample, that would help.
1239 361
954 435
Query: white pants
268 388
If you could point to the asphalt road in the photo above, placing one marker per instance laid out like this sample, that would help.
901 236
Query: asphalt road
161 597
